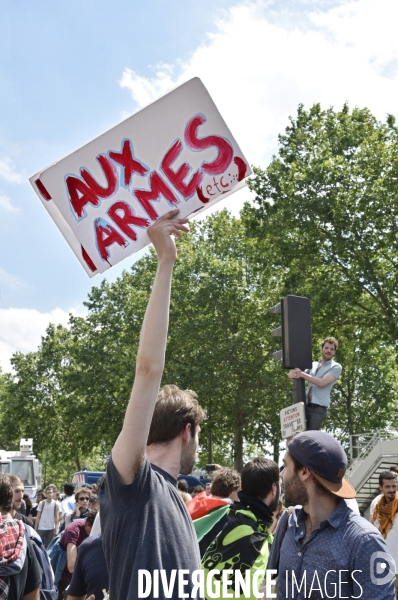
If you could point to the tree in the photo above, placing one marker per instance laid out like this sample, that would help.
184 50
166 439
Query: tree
220 312
40 402
326 216
327 205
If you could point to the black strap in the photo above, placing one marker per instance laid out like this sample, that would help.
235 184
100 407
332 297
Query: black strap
289 512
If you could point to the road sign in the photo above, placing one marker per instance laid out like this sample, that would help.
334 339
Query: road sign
292 419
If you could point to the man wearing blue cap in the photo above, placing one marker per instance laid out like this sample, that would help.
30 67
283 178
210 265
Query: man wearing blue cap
322 549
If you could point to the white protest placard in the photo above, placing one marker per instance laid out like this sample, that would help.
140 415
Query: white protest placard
176 152
292 419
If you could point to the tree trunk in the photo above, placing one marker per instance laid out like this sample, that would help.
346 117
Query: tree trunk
77 461
238 442
276 451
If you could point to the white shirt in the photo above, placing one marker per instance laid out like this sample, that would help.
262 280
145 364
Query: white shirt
47 512
392 541
353 504
68 504
372 506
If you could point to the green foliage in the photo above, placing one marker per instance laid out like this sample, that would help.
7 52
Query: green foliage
326 214
219 337
328 207
41 402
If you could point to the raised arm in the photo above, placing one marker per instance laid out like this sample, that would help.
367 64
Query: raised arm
129 449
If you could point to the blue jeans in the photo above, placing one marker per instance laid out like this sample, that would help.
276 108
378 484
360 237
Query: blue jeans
46 536
315 415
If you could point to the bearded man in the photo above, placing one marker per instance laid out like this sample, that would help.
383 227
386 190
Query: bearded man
322 548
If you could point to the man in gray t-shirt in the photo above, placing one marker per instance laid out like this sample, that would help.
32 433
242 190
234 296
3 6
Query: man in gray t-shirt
321 379
148 537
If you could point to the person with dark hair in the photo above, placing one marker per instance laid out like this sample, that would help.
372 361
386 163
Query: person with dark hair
321 379
385 514
33 511
93 502
225 484
198 489
321 545
158 441
209 511
18 488
28 503
74 534
47 519
82 509
20 573
253 515
182 485
68 503
90 575
377 498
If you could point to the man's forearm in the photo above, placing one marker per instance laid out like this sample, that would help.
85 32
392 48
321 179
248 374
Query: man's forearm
153 338
37 521
314 380
318 381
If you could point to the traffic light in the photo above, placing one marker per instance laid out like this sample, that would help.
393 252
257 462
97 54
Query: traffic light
295 332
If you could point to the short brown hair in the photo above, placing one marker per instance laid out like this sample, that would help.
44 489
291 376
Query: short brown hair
330 340
15 480
174 409
80 491
225 482
6 493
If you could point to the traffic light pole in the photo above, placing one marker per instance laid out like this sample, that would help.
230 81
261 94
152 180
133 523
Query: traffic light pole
295 334
299 390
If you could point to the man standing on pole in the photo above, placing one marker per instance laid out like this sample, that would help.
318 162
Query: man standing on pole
321 379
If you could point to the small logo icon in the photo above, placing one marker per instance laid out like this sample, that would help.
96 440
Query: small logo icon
382 568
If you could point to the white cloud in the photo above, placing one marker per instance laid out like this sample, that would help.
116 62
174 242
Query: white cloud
21 330
146 90
8 172
11 282
258 69
5 204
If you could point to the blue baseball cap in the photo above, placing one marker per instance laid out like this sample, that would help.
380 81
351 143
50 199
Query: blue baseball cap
324 456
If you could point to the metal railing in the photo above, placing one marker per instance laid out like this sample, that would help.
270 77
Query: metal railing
361 444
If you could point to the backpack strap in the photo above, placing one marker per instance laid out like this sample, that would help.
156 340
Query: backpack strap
289 512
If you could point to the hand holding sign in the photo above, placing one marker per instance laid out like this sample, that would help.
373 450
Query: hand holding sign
176 152
160 235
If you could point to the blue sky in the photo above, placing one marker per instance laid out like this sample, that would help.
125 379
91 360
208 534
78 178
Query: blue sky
69 71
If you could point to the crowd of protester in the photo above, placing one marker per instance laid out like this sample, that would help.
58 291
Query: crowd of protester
300 521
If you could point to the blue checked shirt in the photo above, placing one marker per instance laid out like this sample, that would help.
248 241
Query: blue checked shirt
337 560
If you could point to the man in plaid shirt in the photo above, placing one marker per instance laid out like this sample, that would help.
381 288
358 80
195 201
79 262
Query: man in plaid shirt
20 573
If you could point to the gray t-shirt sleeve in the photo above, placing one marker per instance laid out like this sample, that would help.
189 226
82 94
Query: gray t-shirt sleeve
336 370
